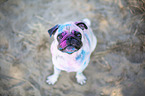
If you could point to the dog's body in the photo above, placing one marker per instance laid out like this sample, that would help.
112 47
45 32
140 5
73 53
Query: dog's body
71 52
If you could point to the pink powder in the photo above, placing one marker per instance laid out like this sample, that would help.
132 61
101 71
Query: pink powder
63 44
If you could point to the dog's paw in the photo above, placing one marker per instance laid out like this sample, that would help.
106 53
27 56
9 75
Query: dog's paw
81 78
51 80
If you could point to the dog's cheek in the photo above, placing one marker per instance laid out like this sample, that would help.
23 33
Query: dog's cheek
55 35
63 44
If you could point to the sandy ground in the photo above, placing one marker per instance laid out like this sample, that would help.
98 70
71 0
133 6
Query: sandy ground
117 66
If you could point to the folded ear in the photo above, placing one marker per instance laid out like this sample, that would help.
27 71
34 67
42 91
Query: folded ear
53 30
82 25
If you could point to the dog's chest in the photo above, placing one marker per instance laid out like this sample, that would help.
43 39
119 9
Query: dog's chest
70 63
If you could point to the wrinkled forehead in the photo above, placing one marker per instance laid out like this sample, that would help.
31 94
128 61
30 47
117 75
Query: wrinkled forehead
68 28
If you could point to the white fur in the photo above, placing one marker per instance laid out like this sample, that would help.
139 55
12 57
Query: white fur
70 63
87 21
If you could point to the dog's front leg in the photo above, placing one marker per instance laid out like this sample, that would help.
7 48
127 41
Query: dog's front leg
51 80
81 78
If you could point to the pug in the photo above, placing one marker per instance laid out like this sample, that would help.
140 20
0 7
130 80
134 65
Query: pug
71 49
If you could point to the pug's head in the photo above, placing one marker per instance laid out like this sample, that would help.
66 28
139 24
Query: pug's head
69 36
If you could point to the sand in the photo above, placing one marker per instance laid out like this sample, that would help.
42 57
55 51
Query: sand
116 68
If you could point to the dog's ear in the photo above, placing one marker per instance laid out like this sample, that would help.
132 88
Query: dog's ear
82 25
53 30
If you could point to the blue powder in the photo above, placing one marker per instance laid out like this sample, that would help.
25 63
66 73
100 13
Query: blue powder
88 39
60 29
81 56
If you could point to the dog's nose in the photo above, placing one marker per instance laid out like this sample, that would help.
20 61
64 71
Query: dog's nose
69 38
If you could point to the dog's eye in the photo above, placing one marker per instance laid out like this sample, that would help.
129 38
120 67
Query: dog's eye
78 34
63 33
59 37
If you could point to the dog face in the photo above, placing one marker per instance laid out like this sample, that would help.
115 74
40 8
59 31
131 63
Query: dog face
69 36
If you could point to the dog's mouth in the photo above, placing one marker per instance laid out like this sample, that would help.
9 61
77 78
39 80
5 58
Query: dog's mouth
70 45
69 49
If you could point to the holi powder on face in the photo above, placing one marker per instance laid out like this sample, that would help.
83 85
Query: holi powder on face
60 30
63 44
69 52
